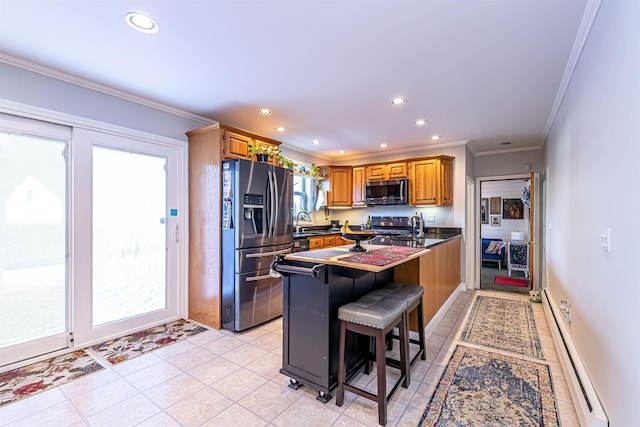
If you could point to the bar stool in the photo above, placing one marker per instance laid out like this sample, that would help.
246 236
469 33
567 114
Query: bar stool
374 315
413 294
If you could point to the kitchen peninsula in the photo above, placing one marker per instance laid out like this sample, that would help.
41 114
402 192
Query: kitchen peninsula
316 283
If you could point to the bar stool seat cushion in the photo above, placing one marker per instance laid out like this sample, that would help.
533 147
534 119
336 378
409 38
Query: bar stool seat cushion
410 293
372 311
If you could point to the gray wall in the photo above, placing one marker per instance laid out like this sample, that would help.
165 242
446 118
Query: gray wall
38 90
592 156
512 163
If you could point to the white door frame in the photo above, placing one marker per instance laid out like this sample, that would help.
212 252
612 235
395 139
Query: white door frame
477 255
78 218
83 142
472 223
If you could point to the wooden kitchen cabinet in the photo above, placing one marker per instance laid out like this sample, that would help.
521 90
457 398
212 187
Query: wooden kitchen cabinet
328 241
386 171
208 147
235 146
235 143
358 186
341 187
438 272
315 242
431 181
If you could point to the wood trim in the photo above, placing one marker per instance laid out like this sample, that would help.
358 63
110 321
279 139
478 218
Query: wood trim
205 184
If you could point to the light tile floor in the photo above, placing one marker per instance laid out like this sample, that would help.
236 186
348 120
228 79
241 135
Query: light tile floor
218 378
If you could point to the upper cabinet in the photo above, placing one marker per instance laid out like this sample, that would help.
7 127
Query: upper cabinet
235 146
340 194
431 181
236 142
358 186
386 171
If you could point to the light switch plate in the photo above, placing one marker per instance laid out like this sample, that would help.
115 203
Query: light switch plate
605 240
431 218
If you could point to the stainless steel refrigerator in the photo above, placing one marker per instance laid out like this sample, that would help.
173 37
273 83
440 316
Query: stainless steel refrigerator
257 226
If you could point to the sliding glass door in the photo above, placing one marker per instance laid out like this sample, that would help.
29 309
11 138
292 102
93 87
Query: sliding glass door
34 291
90 242
129 235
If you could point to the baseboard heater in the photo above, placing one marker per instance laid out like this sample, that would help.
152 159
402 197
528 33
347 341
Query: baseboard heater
586 402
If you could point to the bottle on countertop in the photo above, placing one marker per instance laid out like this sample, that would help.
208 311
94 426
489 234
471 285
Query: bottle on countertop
369 222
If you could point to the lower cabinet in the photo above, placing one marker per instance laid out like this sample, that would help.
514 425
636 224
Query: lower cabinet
329 241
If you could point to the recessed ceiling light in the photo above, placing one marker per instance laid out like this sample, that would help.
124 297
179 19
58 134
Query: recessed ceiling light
141 22
383 145
421 122
315 142
341 152
280 129
505 143
398 101
265 111
435 137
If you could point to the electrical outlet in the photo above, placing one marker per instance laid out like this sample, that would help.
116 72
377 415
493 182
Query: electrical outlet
431 218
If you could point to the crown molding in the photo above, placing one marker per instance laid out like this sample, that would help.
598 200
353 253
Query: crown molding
588 17
507 151
78 81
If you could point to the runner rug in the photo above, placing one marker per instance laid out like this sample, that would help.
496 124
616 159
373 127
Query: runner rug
134 345
481 388
511 281
32 379
382 256
503 324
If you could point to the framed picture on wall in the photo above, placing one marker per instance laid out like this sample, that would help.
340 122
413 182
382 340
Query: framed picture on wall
484 211
495 220
512 209
495 205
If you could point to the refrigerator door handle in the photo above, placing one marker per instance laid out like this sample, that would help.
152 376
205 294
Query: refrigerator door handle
263 254
277 203
272 220
261 277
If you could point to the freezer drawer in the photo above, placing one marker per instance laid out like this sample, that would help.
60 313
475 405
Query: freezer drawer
257 298
255 259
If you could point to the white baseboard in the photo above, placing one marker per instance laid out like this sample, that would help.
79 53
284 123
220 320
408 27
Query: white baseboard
433 323
585 399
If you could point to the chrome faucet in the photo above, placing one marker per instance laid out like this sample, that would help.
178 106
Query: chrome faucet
420 223
297 223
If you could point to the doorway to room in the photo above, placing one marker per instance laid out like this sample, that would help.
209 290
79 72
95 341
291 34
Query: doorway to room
505 234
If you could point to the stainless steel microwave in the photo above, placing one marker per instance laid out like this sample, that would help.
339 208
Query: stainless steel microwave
387 192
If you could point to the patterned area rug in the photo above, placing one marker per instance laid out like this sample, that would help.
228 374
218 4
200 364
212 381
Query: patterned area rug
503 324
382 256
31 379
481 388
134 345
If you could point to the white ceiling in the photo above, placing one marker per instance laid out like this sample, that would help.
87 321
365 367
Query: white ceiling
481 71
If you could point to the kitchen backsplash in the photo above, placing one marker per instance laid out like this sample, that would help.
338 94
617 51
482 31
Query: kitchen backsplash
442 215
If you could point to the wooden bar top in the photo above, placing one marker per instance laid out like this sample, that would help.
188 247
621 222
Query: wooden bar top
396 255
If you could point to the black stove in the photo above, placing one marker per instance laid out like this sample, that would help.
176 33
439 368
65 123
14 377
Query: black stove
391 230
